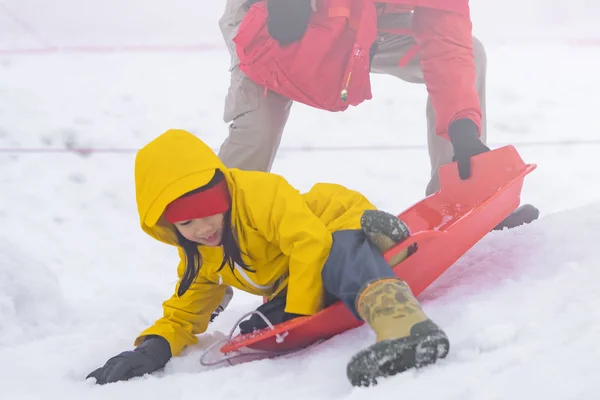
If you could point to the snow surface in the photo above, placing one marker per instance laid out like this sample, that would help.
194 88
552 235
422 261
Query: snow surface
79 279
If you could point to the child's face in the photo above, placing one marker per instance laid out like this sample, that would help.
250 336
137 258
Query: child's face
207 231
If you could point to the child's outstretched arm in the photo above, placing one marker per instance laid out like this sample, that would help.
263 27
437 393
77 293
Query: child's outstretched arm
188 315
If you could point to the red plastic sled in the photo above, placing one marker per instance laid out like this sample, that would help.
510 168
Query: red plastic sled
445 225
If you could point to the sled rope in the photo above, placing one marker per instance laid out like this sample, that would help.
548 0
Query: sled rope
279 338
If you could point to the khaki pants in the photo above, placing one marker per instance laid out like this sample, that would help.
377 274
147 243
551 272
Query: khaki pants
257 120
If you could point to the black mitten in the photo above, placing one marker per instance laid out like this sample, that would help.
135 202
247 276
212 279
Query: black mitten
148 357
288 19
466 143
273 310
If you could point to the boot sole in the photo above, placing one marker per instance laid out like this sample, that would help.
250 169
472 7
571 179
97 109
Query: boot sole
378 222
390 357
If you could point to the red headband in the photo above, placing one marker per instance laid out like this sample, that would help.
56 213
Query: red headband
212 201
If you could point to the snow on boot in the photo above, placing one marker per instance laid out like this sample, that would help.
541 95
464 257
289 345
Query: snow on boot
406 337
224 303
385 230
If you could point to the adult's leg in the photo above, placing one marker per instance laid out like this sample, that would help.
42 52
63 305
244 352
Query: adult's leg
256 118
391 48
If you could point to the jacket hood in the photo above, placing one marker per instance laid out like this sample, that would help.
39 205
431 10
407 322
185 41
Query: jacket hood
171 165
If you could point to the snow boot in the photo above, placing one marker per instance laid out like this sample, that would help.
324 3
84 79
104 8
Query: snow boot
224 303
525 214
406 337
385 230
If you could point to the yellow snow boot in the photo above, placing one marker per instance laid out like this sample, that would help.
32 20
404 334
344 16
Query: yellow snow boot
406 337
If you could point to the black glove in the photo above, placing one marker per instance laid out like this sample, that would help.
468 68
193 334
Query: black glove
148 357
273 310
466 143
288 19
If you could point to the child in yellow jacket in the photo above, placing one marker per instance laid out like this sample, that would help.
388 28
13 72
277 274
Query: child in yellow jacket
254 231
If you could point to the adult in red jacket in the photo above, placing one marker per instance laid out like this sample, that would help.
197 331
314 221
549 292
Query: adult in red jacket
418 41
435 48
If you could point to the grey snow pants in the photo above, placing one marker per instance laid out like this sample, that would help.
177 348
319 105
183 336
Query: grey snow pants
353 263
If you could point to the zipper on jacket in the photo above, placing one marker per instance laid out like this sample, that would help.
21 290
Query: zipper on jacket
356 53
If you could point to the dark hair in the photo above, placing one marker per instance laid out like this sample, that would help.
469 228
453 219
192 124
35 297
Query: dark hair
232 254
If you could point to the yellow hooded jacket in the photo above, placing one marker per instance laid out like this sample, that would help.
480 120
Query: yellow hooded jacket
285 236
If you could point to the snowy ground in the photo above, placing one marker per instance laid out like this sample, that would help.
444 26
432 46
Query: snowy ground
79 280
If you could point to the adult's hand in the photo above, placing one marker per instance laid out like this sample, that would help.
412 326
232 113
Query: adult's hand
466 143
288 19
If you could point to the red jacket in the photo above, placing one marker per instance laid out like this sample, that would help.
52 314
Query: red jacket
442 30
